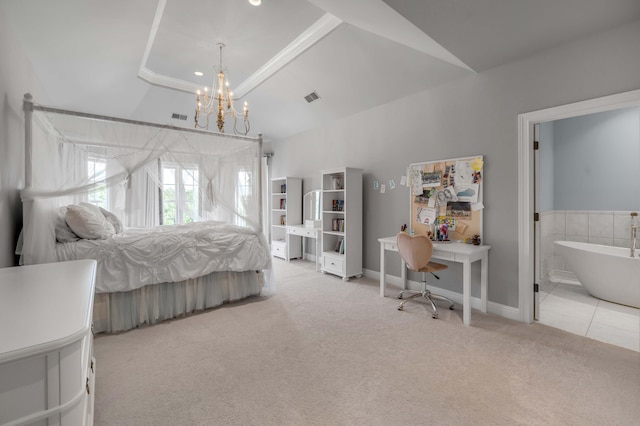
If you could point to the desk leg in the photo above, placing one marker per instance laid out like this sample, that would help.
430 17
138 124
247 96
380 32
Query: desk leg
484 281
304 247
466 292
382 271
287 239
318 253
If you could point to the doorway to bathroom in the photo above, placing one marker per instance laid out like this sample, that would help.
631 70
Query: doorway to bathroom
583 182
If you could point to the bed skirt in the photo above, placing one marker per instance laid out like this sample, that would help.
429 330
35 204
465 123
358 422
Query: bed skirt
121 311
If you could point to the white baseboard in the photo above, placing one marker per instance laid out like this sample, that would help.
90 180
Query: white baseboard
492 307
309 257
563 277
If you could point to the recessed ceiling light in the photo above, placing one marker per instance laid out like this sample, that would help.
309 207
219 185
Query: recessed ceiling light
198 73
255 2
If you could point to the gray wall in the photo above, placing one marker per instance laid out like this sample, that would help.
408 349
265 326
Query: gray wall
16 79
597 161
474 115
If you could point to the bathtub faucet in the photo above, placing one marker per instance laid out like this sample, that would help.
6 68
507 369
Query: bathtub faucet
634 233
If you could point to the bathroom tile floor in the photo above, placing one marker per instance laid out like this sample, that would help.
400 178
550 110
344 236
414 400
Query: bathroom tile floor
569 307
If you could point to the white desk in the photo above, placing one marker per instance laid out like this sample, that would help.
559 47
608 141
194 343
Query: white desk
308 232
453 252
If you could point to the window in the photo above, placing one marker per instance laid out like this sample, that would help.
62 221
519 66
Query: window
96 171
243 193
180 200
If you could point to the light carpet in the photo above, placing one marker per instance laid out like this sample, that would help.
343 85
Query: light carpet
327 352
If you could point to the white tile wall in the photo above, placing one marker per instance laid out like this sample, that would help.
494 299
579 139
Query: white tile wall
611 228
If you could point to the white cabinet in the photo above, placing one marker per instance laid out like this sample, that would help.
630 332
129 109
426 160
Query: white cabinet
342 222
286 209
47 367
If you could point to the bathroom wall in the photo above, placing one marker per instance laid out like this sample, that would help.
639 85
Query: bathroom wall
595 161
545 160
589 183
611 228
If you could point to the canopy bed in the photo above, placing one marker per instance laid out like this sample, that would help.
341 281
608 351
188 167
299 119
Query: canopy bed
171 215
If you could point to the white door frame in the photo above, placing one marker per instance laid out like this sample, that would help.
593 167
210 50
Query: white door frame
525 181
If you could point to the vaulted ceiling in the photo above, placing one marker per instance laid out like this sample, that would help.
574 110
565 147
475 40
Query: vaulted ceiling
136 58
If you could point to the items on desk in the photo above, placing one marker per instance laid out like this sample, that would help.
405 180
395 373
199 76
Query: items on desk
474 239
403 228
443 232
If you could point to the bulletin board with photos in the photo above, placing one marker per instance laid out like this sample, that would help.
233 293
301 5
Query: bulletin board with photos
446 199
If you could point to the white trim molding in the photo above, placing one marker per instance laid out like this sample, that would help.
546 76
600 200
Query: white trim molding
492 307
526 122
308 38
316 32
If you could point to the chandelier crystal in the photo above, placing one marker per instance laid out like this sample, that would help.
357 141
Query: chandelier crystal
219 103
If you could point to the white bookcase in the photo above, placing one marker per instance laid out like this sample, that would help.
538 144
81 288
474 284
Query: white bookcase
342 222
286 209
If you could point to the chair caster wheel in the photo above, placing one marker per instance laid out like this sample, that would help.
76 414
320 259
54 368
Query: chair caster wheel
400 308
451 308
400 296
434 316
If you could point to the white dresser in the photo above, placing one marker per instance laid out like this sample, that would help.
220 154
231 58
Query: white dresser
47 368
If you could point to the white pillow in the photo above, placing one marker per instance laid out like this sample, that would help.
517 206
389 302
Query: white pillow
88 222
112 219
64 234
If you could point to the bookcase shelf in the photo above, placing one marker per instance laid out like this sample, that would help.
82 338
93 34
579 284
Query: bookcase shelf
342 222
286 209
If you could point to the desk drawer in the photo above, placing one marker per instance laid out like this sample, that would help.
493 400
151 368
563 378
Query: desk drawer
391 246
297 230
332 264
307 233
443 255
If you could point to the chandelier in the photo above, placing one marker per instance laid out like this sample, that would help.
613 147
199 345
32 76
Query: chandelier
219 103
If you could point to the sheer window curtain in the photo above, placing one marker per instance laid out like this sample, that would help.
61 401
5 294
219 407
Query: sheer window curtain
266 197
62 142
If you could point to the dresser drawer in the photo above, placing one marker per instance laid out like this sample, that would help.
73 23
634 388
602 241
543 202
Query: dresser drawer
279 249
332 264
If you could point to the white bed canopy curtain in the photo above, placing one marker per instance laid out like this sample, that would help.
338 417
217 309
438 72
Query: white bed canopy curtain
146 174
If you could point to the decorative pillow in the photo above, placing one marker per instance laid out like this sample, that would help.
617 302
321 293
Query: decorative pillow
64 234
88 222
112 219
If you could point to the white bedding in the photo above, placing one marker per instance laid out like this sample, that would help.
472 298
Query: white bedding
170 253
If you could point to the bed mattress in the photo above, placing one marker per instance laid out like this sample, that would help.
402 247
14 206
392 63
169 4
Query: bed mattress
170 253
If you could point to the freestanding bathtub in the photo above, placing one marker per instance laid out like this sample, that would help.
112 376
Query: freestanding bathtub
606 272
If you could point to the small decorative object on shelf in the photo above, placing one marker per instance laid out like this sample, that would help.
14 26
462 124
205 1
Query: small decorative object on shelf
475 239
338 183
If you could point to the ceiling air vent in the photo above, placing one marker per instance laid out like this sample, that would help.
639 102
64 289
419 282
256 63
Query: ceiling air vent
312 97
178 116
